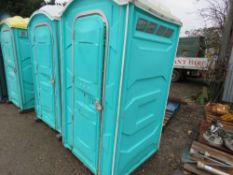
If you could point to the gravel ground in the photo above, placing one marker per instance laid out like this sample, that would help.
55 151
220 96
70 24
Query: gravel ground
30 148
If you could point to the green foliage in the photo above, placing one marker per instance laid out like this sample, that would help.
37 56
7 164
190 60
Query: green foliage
22 8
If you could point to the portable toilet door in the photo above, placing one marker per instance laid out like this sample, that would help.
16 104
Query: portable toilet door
44 34
3 88
17 62
117 65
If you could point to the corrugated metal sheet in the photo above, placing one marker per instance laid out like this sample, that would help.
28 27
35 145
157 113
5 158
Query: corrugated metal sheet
228 87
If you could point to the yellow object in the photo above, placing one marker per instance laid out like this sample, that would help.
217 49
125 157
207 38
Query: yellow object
227 117
219 109
17 22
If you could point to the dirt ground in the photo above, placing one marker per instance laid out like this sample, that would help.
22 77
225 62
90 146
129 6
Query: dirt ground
31 148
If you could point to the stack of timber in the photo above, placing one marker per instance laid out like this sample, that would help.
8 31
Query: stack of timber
205 160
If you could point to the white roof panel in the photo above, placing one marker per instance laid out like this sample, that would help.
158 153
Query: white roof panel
150 6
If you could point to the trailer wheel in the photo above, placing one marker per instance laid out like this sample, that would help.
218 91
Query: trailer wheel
176 76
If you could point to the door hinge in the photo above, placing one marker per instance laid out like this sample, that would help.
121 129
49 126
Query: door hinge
73 79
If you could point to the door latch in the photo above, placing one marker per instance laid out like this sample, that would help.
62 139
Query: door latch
98 107
52 81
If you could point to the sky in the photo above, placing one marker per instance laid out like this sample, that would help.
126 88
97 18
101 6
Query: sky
187 11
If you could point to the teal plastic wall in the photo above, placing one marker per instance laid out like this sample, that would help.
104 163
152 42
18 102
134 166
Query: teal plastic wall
18 68
127 131
148 67
45 45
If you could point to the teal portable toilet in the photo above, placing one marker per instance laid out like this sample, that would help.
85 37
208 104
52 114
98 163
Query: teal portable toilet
44 34
17 62
117 65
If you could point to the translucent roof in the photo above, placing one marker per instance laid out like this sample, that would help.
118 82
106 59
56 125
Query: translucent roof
16 22
61 1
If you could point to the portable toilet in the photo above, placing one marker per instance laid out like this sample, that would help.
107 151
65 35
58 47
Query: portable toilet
3 87
117 65
44 34
17 61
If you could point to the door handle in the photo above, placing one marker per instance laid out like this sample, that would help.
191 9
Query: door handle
98 106
15 70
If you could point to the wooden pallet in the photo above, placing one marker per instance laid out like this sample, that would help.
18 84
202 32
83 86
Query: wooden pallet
167 118
211 151
170 114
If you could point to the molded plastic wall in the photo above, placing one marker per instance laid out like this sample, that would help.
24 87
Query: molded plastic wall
18 68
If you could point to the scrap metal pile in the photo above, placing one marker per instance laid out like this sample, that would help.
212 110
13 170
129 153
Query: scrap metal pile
213 152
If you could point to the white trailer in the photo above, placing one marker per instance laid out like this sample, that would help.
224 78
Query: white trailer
189 67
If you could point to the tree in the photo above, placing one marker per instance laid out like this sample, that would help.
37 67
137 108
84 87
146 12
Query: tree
215 12
220 14
22 8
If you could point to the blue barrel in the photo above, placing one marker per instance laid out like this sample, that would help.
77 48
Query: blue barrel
44 31
117 61
17 62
